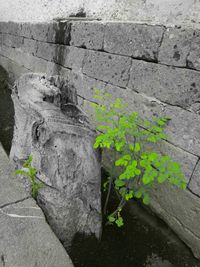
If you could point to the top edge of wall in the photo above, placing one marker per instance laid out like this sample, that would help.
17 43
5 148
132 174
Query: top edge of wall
164 12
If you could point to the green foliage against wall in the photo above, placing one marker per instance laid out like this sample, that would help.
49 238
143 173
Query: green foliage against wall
138 168
30 172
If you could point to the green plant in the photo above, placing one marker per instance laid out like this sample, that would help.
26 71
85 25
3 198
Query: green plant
135 167
30 172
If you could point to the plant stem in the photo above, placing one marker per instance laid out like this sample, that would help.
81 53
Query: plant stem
110 183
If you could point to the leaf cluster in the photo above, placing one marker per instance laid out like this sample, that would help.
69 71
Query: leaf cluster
30 172
138 168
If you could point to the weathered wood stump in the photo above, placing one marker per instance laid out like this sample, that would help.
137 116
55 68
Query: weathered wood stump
50 126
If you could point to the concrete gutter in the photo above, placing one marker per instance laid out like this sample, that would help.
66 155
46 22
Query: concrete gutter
25 237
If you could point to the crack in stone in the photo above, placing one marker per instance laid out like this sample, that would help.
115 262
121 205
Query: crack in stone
161 40
193 172
14 202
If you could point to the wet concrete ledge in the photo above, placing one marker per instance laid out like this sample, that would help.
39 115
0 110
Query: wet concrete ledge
25 237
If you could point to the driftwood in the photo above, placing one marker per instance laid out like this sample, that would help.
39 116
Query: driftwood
50 126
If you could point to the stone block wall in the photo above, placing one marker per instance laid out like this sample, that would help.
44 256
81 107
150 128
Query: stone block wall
155 69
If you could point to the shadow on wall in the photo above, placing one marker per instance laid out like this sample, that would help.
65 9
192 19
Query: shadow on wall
6 111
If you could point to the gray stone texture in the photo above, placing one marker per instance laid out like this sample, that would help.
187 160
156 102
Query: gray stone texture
51 127
30 46
109 68
45 32
180 210
10 27
87 34
26 238
135 40
12 40
179 87
194 184
193 59
67 56
175 46
11 190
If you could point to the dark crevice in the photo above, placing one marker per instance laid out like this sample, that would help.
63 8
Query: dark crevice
3 260
193 172
14 202
192 192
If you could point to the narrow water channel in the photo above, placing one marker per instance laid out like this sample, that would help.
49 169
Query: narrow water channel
143 241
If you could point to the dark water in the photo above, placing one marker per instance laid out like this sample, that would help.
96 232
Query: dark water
6 112
144 240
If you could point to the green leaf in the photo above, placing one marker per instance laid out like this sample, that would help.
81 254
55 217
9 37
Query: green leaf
153 156
111 218
162 177
119 222
146 199
138 194
137 147
119 183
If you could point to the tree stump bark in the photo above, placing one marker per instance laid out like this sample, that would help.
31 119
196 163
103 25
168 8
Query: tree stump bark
50 126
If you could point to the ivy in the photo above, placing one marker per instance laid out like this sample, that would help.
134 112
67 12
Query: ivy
129 136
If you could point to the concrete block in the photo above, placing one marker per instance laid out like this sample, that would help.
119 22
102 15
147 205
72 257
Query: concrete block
175 46
73 57
30 46
194 184
136 40
46 51
12 40
172 85
45 32
25 235
3 26
11 188
193 59
67 56
109 68
1 40
87 34
10 27
180 210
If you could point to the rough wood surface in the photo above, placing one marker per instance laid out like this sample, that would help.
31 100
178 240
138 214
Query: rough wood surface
50 126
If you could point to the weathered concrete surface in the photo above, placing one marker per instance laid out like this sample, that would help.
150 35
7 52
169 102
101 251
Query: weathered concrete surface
194 184
156 11
165 83
175 46
25 237
193 59
180 209
109 68
139 41
89 35
49 125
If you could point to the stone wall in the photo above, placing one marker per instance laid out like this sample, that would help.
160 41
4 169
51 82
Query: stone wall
156 69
